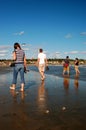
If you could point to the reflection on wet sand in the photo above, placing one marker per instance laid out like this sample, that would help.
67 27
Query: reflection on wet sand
28 110
14 95
66 81
76 82
42 97
19 116
17 95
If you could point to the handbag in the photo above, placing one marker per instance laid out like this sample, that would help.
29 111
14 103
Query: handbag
25 70
12 64
47 68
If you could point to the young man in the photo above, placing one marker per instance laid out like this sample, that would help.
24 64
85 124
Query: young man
42 62
66 65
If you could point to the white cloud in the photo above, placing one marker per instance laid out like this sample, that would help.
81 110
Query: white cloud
3 51
83 33
2 54
57 52
66 53
19 33
45 52
25 49
83 52
68 36
56 55
74 52
4 47
71 52
23 44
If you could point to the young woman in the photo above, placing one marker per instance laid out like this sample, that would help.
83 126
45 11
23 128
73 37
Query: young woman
20 63
76 65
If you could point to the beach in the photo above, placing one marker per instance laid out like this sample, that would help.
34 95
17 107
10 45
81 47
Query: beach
57 103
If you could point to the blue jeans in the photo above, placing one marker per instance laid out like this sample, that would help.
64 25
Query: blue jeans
19 68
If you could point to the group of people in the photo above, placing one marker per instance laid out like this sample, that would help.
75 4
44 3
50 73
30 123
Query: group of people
66 66
19 59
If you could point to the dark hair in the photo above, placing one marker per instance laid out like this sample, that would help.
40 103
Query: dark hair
76 58
17 45
40 50
67 56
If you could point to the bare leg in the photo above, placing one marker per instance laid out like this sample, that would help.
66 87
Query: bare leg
42 75
13 86
64 72
22 87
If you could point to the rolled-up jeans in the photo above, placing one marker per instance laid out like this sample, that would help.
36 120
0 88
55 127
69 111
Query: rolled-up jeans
19 68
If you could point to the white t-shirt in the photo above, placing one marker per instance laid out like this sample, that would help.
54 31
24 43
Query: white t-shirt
42 58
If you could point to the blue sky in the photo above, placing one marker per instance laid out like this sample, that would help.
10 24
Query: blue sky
57 26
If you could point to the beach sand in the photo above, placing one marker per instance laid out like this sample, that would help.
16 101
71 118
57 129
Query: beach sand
58 103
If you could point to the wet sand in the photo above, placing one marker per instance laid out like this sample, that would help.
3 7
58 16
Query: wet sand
55 104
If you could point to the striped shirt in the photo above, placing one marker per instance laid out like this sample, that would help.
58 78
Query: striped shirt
19 56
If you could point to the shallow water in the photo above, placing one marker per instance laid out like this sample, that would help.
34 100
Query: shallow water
58 103
57 71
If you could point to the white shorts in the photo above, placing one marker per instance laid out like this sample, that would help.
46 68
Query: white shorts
41 67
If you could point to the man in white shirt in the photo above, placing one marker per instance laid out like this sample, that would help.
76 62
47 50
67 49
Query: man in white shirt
42 62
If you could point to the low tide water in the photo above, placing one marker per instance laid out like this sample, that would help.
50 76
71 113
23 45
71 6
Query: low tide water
57 71
58 103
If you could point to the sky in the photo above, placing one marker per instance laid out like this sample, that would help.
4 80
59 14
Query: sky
56 26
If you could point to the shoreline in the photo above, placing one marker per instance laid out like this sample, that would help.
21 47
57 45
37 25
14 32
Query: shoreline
50 62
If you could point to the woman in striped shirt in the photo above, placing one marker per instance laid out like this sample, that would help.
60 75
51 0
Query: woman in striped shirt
20 63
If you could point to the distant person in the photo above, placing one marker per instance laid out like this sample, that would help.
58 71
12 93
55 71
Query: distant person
20 63
76 65
66 63
42 62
